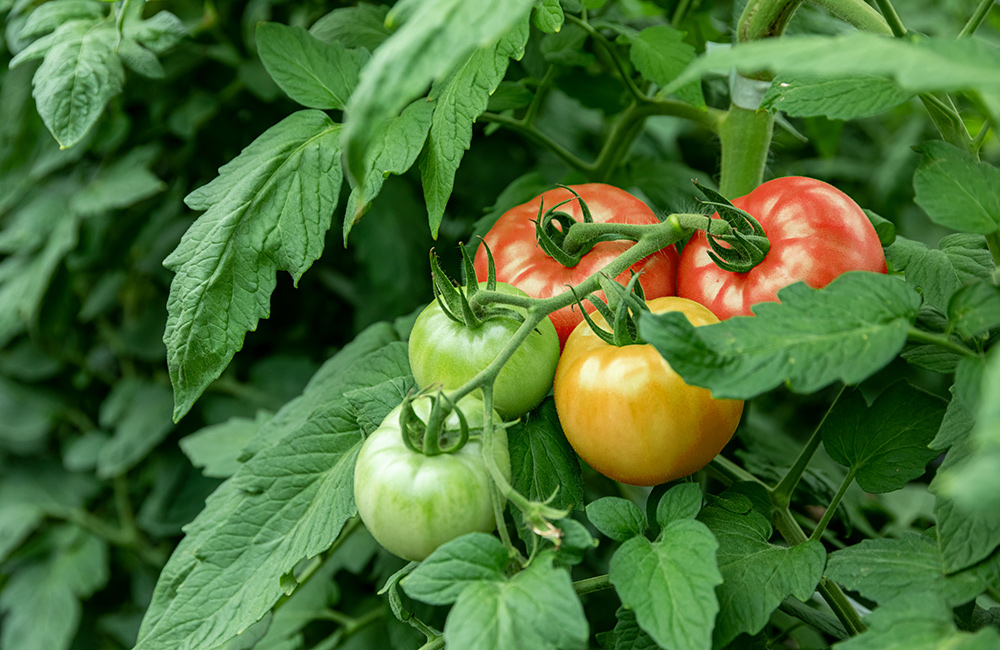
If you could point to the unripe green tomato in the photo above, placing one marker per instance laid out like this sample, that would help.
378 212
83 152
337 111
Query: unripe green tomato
448 354
412 503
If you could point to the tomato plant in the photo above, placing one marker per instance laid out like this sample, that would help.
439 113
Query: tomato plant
412 503
522 263
447 353
816 233
629 415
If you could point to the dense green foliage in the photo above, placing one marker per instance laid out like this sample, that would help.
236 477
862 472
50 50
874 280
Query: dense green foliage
215 220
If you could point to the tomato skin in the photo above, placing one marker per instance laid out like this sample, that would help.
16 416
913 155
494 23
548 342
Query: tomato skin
522 263
412 503
443 352
816 232
630 416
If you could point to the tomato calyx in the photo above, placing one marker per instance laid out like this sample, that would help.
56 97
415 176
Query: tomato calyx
624 307
457 301
746 243
552 231
432 438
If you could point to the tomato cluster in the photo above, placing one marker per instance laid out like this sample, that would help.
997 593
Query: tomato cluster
623 408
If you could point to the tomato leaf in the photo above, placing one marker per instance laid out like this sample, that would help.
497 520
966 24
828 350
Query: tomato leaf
757 575
395 147
885 445
288 501
956 190
459 100
548 16
881 569
975 309
838 98
959 260
536 608
139 410
435 37
312 72
679 502
660 54
268 209
846 331
917 620
360 26
617 518
216 448
670 583
374 403
455 565
50 590
542 462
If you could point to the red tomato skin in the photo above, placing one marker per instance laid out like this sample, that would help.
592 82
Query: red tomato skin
816 232
522 263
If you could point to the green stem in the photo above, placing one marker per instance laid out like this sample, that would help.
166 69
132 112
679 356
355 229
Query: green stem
920 336
745 138
598 37
832 508
831 592
591 585
731 473
993 243
781 495
892 18
433 644
857 13
764 19
977 18
538 137
544 86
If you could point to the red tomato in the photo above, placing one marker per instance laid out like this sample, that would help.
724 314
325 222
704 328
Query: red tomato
816 232
522 263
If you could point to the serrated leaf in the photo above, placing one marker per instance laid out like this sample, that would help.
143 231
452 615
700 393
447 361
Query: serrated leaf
813 337
216 448
661 54
458 102
679 502
885 445
757 575
917 621
542 462
548 16
536 608
916 66
159 33
49 16
374 403
312 72
80 74
617 518
360 26
838 98
395 147
956 190
50 590
124 183
139 410
975 309
670 584
268 209
441 577
286 502
881 569
960 259
628 635
436 36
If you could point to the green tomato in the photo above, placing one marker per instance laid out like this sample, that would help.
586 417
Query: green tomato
412 503
449 354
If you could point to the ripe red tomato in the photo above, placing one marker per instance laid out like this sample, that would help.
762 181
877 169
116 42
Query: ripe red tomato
630 416
522 263
816 232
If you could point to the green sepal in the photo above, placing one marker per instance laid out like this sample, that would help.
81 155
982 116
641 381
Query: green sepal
747 242
447 294
454 300
621 311
427 437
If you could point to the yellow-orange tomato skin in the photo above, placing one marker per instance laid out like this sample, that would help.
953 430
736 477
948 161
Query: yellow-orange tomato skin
630 416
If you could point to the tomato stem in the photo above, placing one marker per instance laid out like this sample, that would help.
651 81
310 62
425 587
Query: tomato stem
857 13
920 336
591 585
745 138
977 18
781 495
831 509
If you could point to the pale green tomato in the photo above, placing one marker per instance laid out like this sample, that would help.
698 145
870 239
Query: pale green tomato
445 353
412 503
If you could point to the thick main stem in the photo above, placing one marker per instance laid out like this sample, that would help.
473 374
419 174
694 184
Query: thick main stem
746 138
